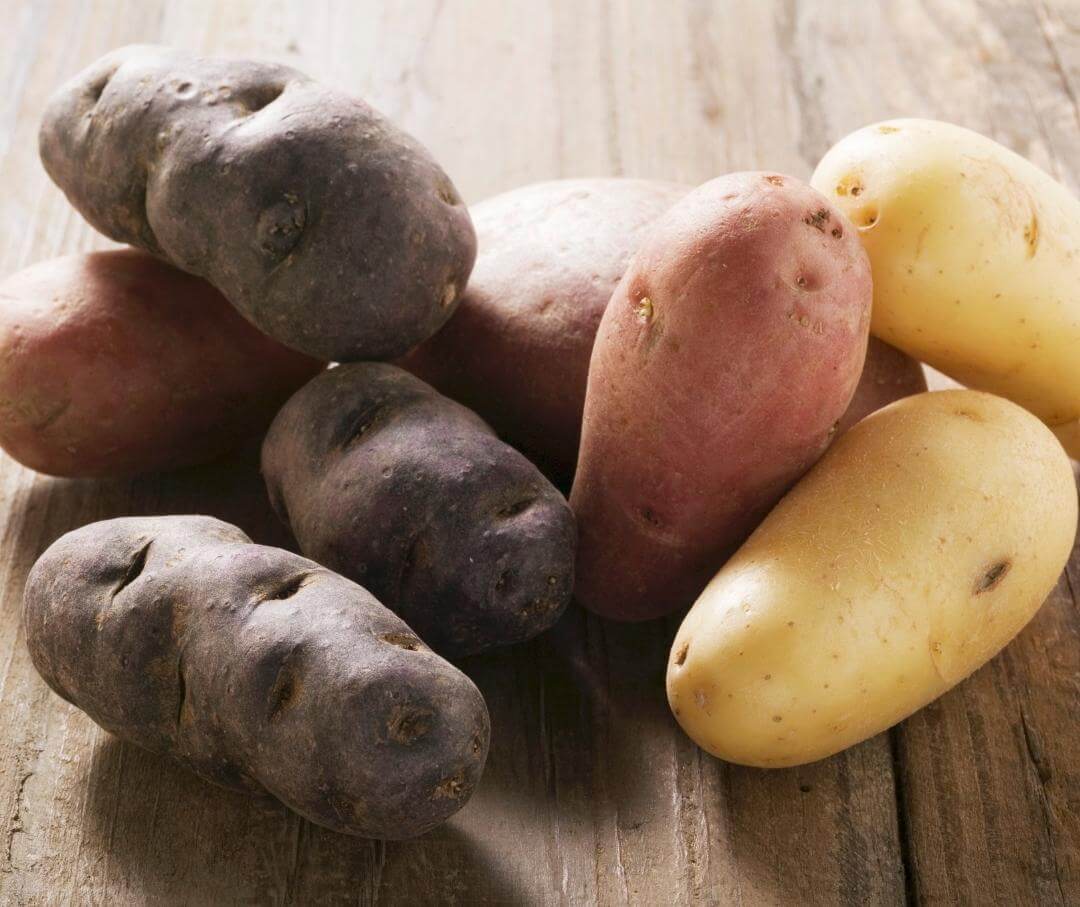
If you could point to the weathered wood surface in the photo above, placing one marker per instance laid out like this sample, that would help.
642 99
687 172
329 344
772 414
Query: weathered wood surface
591 793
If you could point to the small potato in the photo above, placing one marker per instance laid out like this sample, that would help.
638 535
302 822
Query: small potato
115 363
385 480
517 349
888 375
729 351
919 545
326 226
975 254
258 670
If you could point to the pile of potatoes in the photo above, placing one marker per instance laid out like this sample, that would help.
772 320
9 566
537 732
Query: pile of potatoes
645 396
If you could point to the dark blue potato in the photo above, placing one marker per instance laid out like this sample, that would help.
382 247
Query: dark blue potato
327 227
257 669
412 495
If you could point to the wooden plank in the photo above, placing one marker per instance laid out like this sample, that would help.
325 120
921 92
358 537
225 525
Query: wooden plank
591 793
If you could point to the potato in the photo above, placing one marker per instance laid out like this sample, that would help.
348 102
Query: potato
919 545
115 363
326 226
727 354
412 495
974 252
517 349
258 670
887 375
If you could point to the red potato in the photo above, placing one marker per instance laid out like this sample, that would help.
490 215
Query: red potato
517 349
888 375
115 363
728 353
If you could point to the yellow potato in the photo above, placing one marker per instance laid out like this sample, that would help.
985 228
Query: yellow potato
917 547
975 254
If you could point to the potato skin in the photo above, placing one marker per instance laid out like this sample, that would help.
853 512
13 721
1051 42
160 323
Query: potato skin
257 669
887 375
326 226
517 349
728 352
919 545
385 480
971 246
115 363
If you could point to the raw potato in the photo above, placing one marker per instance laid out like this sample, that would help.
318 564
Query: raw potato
976 256
919 545
325 225
727 354
257 669
114 363
412 495
517 349
888 375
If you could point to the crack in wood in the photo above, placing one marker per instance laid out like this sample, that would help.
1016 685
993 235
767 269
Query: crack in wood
907 859
15 823
1036 754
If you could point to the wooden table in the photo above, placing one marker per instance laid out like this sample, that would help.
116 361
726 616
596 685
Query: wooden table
591 792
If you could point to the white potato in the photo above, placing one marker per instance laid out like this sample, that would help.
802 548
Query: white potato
975 254
918 546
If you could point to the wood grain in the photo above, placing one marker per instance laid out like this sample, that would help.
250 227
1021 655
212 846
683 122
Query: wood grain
591 793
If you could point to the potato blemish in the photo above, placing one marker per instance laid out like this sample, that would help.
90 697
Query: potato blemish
450 788
991 578
680 656
402 641
817 219
1031 235
408 724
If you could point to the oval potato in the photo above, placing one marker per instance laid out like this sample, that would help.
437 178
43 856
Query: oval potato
257 669
919 545
327 227
726 356
115 363
976 255
385 480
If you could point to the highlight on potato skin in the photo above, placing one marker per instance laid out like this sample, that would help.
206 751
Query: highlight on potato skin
258 670
114 363
922 542
412 495
327 227
975 253
728 352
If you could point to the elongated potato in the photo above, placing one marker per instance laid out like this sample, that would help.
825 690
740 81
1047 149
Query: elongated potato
976 256
727 354
327 227
257 669
919 545
385 480
115 363
517 349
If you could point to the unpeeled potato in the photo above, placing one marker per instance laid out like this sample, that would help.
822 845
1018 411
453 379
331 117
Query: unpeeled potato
975 253
916 548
